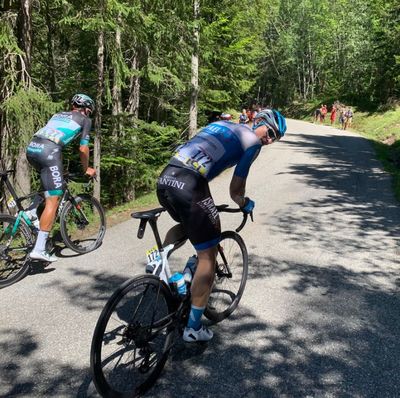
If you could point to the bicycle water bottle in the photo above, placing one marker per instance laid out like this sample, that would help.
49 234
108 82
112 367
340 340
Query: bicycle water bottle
190 269
179 284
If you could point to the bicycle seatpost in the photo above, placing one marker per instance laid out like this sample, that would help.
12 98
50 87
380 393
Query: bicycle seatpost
153 224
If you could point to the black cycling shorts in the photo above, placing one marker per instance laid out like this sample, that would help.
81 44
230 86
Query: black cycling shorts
186 196
46 157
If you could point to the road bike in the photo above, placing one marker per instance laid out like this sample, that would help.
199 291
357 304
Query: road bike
82 224
137 328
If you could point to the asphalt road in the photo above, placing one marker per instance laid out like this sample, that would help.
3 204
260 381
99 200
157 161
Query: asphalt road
320 316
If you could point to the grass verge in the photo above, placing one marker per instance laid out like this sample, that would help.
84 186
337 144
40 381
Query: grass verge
123 212
383 129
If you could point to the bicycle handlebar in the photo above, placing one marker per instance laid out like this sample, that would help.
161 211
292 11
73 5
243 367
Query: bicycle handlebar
226 209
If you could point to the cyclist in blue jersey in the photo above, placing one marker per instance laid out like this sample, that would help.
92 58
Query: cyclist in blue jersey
44 153
183 190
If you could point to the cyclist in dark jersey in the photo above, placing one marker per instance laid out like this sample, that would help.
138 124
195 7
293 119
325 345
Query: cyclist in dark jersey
183 190
44 153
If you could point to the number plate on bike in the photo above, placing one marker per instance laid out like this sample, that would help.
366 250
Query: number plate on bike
152 253
11 202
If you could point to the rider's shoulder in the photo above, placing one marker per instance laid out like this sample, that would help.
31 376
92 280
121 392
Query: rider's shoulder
79 117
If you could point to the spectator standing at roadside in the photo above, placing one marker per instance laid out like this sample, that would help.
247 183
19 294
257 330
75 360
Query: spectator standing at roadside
333 114
324 111
342 119
249 116
243 119
348 118
317 115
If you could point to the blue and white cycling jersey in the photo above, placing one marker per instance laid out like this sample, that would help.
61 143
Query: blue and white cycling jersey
218 146
63 127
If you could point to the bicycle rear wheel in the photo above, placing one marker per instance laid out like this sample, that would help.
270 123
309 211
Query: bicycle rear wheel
83 224
14 248
230 277
132 338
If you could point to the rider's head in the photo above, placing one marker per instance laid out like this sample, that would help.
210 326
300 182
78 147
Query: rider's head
269 125
84 102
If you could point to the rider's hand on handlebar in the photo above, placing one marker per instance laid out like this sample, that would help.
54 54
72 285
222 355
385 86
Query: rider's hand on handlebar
90 172
248 206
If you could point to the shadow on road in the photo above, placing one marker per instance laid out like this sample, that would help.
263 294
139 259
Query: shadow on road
22 377
347 344
355 184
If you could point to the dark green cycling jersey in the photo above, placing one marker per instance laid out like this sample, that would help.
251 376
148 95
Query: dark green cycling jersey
44 152
64 127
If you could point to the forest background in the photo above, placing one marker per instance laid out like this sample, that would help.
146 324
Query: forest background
157 69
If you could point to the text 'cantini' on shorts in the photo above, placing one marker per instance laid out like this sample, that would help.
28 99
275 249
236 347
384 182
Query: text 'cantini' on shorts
186 196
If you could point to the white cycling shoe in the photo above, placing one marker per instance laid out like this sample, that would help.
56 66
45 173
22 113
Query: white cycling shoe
192 336
42 256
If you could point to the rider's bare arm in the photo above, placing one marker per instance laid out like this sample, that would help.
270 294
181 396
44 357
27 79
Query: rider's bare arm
237 190
84 155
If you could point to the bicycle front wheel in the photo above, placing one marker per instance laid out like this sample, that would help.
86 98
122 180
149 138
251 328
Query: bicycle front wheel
231 271
132 338
15 244
83 224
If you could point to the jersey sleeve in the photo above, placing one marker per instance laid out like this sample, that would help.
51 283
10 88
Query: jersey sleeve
85 134
243 166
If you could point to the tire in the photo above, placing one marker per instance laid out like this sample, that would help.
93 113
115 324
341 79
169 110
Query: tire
230 277
121 347
14 263
83 224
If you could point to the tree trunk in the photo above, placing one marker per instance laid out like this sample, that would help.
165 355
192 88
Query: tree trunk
25 40
133 109
50 51
116 89
23 173
195 71
98 116
134 87
25 31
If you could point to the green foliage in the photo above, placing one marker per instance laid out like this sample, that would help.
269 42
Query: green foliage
383 128
26 111
132 159
9 54
231 45
345 48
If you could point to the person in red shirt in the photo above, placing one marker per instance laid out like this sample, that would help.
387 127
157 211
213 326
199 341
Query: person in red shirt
333 114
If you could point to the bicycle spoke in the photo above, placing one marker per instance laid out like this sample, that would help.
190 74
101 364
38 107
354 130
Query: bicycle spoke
14 246
230 278
132 346
83 224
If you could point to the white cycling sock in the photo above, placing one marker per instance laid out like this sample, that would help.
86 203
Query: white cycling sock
41 240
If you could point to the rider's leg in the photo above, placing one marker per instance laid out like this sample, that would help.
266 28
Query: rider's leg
46 222
36 201
175 233
49 213
204 276
201 288
32 210
46 157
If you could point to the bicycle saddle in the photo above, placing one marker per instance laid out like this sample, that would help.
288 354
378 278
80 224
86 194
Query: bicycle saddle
148 214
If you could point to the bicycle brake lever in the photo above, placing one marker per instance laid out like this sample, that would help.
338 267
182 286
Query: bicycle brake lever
251 216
